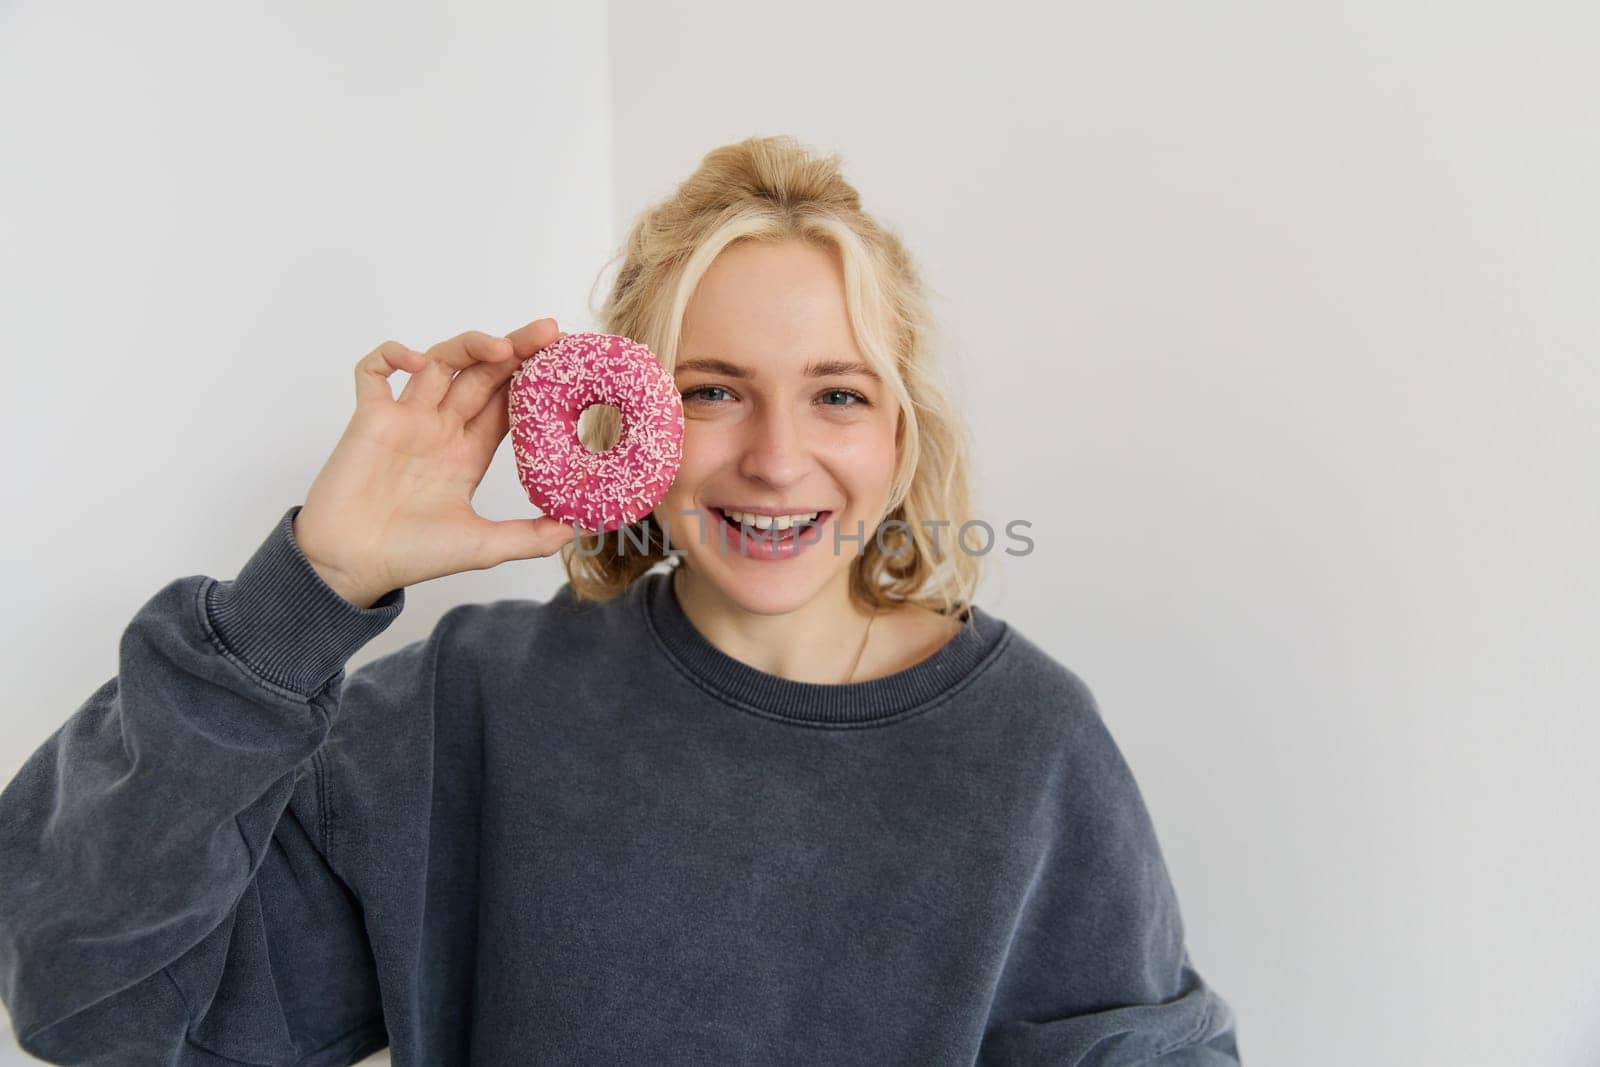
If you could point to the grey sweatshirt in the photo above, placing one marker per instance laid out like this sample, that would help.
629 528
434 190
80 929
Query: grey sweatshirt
578 832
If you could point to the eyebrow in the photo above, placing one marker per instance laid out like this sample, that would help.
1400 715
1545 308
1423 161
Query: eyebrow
826 368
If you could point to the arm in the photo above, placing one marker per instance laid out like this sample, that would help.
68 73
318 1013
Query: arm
166 845
1098 972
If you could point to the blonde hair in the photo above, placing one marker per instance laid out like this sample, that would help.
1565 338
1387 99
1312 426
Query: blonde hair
773 189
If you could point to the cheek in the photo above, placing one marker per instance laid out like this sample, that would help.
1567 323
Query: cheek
864 456
700 459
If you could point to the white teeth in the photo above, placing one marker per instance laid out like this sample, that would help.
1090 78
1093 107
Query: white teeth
766 522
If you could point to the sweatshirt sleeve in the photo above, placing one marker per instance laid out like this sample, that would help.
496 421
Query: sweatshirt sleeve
164 891
1098 972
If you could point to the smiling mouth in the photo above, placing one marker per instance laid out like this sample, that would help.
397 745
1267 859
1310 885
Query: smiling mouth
773 533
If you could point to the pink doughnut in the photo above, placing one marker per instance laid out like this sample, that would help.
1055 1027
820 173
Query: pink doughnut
599 491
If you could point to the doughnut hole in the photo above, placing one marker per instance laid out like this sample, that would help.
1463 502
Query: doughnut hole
599 427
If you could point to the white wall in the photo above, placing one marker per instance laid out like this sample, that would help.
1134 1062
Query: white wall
1278 321
1295 307
208 213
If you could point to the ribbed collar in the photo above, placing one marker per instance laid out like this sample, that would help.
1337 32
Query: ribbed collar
816 703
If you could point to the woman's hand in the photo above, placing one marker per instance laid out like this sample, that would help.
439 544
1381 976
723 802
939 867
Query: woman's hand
393 504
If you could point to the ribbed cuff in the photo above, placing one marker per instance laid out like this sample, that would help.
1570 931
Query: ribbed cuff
285 622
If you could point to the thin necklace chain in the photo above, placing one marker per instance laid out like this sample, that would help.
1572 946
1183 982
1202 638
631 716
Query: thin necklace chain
865 634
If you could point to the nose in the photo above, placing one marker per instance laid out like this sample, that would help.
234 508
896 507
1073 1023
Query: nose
774 450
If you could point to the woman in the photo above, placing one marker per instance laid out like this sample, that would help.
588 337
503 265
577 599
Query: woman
715 801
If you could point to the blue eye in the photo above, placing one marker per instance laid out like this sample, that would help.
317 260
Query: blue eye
833 398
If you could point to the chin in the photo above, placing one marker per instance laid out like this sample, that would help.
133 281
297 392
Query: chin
765 588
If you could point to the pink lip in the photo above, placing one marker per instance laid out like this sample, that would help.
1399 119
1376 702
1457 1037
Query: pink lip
732 539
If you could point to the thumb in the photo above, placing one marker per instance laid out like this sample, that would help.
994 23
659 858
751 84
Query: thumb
525 538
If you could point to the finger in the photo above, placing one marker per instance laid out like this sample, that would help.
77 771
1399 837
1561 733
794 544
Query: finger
373 370
536 335
491 423
427 387
471 389
521 539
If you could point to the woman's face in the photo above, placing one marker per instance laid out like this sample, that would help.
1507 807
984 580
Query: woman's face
782 415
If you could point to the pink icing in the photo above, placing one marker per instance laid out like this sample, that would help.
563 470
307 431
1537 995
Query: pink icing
599 491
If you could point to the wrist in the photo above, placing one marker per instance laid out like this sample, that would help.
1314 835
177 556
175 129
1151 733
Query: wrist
357 593
349 591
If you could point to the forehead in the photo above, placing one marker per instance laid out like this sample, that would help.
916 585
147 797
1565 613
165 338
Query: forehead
769 304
